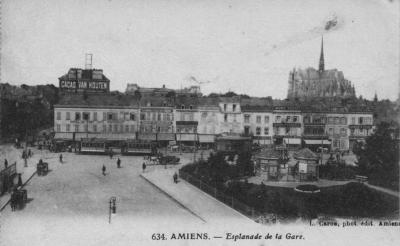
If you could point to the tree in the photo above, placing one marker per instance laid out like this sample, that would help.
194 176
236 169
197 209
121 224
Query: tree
378 158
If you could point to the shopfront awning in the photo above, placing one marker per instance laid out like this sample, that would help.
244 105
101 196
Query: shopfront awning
317 142
63 136
148 136
165 136
292 140
206 138
186 137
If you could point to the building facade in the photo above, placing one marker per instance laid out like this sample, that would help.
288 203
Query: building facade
257 122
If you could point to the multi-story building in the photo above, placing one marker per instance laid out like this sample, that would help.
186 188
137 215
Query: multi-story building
230 115
287 125
360 125
186 120
208 126
337 130
314 134
102 117
257 122
157 122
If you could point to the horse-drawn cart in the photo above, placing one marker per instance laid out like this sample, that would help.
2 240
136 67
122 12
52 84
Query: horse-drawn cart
18 199
42 168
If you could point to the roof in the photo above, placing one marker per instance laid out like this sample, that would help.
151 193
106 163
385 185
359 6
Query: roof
270 154
305 154
87 74
108 99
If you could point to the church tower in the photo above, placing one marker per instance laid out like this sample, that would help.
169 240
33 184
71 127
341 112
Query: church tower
321 58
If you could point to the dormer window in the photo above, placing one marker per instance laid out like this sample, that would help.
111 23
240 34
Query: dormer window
191 107
183 106
234 107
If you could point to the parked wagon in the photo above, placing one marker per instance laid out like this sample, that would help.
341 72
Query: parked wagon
18 199
42 168
169 160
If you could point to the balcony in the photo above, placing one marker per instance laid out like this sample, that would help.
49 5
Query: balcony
286 124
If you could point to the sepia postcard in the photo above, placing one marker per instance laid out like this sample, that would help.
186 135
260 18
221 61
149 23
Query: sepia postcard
199 122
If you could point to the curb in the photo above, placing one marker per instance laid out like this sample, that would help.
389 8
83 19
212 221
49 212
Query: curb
172 198
218 201
26 182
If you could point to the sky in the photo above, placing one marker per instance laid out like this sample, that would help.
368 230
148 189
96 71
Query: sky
244 46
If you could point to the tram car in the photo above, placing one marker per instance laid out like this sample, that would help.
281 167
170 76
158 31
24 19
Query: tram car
93 146
135 147
42 168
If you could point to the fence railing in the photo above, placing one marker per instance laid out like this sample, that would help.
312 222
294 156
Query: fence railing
6 177
229 200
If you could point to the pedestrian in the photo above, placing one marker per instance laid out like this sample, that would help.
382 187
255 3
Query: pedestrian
104 170
5 163
61 158
144 166
175 178
29 153
119 163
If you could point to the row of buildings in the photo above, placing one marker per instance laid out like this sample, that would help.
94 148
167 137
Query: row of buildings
199 120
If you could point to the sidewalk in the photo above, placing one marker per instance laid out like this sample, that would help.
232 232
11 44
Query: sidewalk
196 201
384 190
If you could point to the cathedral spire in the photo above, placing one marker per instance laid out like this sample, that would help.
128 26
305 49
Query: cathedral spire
321 58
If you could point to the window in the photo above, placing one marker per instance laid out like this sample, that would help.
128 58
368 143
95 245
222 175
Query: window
132 128
58 115
258 131
126 128
153 117
352 131
266 131
204 115
258 119
246 118
94 128
168 117
306 119
132 116
234 107
115 128
343 121
225 118
246 130
295 118
278 119
191 117
86 128
121 128
109 116
191 107
353 120
142 116
330 131
224 107
360 120
266 119
336 130
337 120
104 128
67 116
76 128
288 118
77 116
58 128
159 117
343 132
95 116
67 127
234 118
330 120
110 128
85 116
182 106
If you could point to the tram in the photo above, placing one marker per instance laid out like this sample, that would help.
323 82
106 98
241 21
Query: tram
93 146
137 147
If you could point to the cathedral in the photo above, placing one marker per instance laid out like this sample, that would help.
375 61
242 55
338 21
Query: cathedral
309 82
